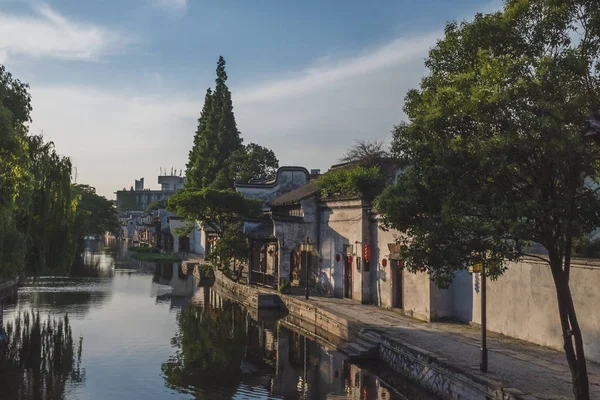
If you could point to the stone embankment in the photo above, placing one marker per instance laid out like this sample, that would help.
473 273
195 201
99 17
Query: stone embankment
442 357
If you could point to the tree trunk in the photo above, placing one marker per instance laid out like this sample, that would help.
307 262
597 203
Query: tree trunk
571 331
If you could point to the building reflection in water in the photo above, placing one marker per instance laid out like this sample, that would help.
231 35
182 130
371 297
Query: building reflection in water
225 351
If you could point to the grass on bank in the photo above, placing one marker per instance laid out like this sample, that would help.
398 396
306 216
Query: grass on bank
155 257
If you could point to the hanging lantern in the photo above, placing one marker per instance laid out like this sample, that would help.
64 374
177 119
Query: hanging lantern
350 260
367 252
337 257
384 262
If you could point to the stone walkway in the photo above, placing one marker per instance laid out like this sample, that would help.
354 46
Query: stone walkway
534 370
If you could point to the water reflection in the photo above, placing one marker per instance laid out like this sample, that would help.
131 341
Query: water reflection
38 358
222 351
157 331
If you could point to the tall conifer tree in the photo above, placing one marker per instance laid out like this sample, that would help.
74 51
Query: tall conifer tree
217 136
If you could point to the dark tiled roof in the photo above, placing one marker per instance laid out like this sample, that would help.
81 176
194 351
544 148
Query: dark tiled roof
295 196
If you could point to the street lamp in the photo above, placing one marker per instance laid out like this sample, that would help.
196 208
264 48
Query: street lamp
483 366
306 247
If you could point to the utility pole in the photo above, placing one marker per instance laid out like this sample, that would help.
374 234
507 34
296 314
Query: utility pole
484 353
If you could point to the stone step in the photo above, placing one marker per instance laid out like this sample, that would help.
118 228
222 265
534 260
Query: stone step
372 337
360 349
351 353
367 345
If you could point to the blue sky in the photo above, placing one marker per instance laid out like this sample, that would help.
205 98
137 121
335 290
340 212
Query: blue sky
118 85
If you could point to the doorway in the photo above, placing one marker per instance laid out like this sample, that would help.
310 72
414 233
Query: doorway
397 269
347 278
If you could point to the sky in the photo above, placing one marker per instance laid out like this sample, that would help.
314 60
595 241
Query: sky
118 85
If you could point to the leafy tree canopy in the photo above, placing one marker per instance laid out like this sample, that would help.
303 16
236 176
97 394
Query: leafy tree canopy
495 151
217 136
215 208
156 205
218 158
250 162
97 214
355 181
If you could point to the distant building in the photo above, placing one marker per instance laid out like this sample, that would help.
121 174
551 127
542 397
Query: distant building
139 198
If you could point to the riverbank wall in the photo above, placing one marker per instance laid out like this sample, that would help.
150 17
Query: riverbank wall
420 366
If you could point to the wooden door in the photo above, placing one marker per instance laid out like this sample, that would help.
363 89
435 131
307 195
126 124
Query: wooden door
398 283
347 278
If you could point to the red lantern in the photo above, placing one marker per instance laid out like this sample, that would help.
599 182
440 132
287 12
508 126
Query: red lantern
367 251
350 260
337 257
384 262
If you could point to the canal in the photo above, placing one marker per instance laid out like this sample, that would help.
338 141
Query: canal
117 328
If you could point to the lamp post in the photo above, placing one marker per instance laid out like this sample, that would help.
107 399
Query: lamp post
306 247
480 268
483 367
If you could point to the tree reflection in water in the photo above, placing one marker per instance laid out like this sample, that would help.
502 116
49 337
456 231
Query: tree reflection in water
210 347
38 358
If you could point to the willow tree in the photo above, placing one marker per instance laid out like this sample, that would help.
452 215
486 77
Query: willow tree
495 149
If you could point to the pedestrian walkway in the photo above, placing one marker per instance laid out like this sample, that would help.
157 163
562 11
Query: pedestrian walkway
534 370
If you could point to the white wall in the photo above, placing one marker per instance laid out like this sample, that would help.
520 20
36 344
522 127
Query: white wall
522 303
341 224
196 238
174 224
462 296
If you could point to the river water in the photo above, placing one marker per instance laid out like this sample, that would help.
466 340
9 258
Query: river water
141 331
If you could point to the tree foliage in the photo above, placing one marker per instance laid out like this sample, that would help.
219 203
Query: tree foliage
217 136
250 162
218 158
156 205
494 149
95 214
355 181
366 153
38 210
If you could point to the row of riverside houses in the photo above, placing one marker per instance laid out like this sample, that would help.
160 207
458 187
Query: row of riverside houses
356 258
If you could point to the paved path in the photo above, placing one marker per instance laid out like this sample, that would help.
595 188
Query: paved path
534 370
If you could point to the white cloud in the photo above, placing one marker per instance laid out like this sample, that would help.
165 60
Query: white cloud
308 120
47 33
398 52
175 7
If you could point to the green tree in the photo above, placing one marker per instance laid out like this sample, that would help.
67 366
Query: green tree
95 214
156 204
494 149
15 108
250 162
222 212
217 136
355 181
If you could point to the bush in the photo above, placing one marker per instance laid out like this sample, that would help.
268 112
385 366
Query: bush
284 287
356 181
